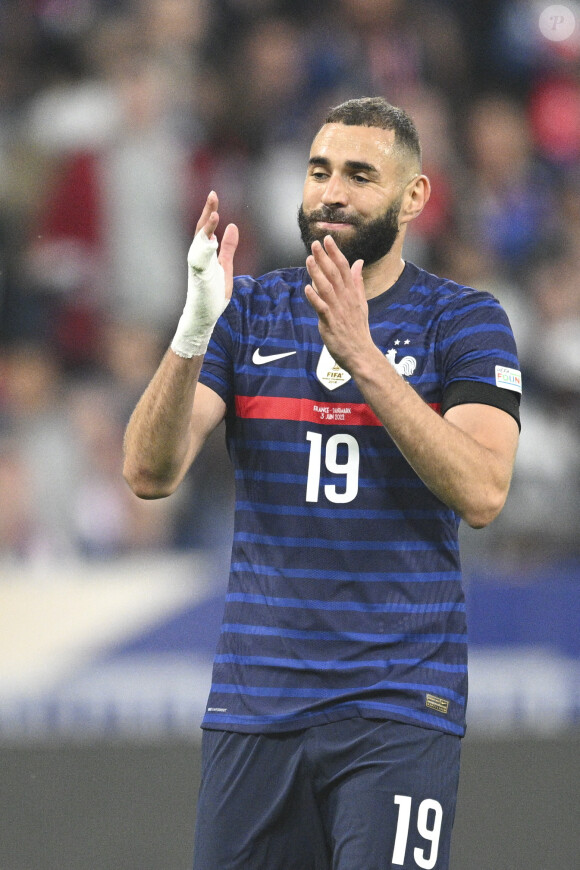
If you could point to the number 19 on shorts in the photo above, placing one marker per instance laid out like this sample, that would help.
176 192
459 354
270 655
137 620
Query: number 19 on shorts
340 458
428 821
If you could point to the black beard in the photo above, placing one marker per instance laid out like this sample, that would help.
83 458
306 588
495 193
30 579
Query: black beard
371 240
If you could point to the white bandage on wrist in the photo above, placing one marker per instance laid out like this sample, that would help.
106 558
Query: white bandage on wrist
206 298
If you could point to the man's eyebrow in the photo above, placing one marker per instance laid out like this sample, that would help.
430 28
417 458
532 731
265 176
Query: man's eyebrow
361 166
353 165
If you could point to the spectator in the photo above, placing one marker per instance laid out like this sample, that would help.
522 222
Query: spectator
508 196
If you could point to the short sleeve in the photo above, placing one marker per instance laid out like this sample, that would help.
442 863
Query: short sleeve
478 354
217 370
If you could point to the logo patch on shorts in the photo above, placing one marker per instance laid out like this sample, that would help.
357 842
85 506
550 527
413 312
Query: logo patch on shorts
436 703
508 379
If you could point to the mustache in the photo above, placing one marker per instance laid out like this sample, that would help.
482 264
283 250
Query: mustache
332 216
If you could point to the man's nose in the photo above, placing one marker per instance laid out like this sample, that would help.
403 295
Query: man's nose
335 192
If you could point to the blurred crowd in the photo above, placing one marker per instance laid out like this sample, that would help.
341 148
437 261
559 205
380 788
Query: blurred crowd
118 117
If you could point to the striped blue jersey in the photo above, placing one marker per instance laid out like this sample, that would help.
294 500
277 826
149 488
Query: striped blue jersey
345 595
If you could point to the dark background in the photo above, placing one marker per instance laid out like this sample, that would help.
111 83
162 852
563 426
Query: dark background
131 806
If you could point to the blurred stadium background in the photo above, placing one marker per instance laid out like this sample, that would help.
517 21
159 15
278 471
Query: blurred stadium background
116 119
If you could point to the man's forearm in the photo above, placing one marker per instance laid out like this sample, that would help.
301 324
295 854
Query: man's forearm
161 439
467 476
158 437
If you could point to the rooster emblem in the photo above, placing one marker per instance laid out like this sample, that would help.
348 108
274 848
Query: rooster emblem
405 367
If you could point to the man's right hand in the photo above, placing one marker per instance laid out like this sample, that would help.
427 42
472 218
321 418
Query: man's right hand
210 282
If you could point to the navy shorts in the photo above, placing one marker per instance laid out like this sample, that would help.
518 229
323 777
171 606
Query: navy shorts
357 793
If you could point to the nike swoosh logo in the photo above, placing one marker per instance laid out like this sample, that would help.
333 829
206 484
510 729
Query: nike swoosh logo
260 360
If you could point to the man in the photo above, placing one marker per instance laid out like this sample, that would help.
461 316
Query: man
369 406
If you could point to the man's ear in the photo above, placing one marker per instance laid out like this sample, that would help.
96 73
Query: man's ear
415 198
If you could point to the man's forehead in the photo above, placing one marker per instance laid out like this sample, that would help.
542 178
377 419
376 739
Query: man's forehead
346 141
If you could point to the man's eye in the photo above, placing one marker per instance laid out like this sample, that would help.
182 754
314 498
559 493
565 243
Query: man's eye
319 175
360 179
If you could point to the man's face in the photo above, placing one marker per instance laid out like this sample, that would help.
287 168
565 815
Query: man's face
353 191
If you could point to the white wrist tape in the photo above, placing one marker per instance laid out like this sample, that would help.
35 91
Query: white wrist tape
206 298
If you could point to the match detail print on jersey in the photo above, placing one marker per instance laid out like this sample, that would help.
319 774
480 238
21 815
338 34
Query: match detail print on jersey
308 411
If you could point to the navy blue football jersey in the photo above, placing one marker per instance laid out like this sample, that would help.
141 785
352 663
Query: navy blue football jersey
345 595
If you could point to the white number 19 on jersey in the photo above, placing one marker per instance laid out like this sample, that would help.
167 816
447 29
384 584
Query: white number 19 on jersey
347 468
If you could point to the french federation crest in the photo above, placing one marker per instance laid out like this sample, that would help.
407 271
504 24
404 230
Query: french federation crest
329 372
405 366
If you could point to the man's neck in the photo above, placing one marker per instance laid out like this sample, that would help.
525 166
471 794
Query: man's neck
383 274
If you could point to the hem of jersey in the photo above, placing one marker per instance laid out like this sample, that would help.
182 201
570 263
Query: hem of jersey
357 711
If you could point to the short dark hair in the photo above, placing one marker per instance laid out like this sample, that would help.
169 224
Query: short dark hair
377 112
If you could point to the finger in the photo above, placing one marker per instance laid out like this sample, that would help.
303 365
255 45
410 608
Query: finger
338 259
356 273
318 304
332 263
209 218
321 286
228 248
322 271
